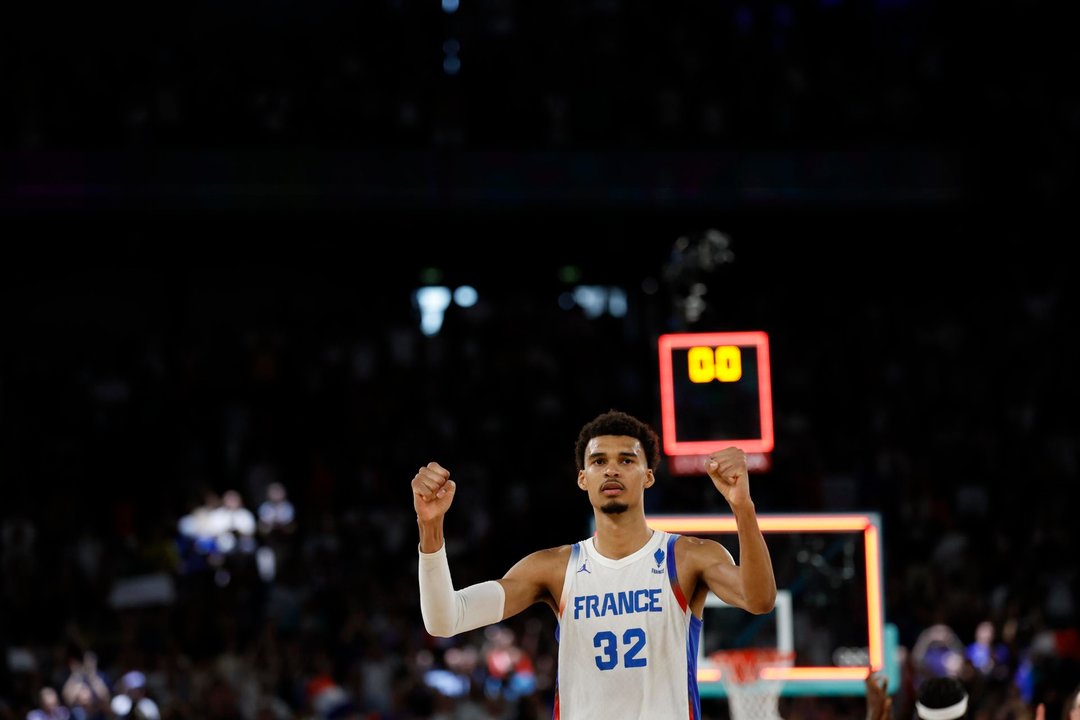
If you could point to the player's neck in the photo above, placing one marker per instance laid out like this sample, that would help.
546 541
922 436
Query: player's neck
618 536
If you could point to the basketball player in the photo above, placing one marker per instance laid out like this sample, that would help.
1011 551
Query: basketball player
938 698
1071 709
628 600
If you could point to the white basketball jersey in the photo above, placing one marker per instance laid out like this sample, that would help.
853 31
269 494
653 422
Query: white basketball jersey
628 642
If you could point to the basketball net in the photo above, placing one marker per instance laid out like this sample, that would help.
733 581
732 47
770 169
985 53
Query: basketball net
750 696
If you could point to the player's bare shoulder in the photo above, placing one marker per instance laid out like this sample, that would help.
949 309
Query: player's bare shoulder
694 553
547 566
557 555
697 559
541 575
554 560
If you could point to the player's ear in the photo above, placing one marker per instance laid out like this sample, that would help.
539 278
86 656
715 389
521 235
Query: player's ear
581 480
649 478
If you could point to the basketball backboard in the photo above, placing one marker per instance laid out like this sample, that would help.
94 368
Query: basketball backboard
829 607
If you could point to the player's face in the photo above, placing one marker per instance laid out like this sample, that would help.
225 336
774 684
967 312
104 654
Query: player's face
616 473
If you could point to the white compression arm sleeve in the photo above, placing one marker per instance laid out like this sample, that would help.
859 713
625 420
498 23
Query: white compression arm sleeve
448 612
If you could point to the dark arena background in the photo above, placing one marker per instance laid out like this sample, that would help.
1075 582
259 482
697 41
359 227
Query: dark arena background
262 260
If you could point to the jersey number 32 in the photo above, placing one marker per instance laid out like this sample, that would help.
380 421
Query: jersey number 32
633 642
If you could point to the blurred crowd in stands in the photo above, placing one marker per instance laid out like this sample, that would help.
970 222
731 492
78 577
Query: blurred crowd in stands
402 73
206 513
610 74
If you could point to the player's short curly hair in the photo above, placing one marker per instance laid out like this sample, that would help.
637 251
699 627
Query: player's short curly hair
615 422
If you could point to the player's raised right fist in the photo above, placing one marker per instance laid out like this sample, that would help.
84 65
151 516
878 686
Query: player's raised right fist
433 491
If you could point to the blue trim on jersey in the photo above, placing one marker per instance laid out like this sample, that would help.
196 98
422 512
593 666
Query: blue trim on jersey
693 636
692 640
673 576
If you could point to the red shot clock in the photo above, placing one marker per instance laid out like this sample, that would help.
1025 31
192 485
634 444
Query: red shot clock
715 392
